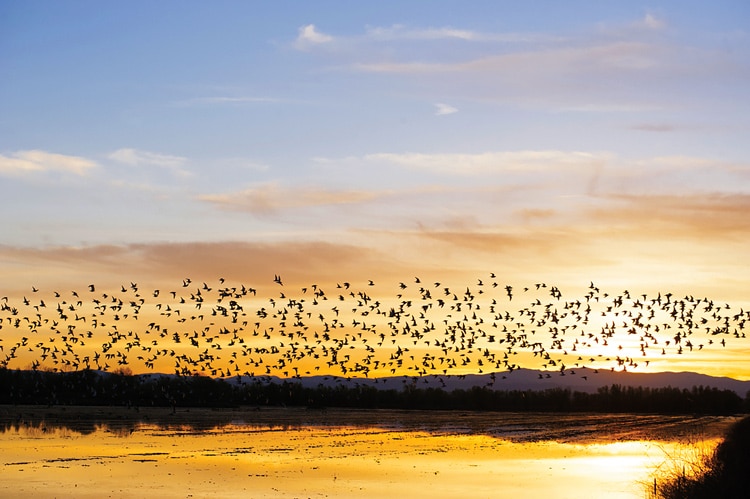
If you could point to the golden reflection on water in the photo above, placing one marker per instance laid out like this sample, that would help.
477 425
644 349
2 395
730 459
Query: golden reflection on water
321 462
240 460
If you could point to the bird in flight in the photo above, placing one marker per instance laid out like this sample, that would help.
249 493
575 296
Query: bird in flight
220 328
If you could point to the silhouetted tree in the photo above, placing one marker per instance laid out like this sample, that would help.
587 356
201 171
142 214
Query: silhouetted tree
88 387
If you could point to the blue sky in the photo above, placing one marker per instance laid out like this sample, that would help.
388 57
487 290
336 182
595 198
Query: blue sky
568 142
87 79
142 122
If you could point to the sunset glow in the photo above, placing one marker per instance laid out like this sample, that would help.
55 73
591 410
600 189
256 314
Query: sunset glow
598 147
378 459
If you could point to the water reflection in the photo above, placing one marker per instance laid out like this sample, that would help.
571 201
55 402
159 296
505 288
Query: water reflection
298 453
517 427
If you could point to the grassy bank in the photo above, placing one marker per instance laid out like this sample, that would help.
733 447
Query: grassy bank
723 474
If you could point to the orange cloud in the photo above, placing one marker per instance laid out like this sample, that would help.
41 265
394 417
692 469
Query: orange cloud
60 268
22 162
696 216
269 198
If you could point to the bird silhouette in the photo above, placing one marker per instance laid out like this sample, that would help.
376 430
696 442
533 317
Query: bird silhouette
223 329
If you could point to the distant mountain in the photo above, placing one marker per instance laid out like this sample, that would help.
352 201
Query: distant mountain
582 380
718 396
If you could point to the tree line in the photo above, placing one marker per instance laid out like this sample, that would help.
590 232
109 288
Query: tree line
88 387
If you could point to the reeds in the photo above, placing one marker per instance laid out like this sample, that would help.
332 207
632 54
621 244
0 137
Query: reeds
723 473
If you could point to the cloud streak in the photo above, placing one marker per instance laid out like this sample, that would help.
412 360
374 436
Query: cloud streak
134 157
582 73
37 161
494 161
169 263
224 100
699 216
621 56
442 109
595 195
308 36
403 32
270 198
583 76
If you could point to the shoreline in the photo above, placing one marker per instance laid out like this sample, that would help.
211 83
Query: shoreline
571 426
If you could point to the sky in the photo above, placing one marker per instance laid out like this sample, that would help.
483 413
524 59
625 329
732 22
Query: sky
561 142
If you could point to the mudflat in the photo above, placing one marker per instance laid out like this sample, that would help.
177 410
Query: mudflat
294 452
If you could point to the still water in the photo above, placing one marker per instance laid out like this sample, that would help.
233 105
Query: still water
106 452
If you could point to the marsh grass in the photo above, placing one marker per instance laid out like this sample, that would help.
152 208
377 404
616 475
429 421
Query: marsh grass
43 430
723 473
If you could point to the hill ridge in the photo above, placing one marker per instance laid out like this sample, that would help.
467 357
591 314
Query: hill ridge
582 379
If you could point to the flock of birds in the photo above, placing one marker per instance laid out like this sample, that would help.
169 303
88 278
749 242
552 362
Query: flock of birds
415 329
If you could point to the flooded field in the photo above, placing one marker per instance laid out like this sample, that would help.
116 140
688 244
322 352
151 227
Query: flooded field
112 452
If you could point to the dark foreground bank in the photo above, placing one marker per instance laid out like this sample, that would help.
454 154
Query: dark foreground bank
724 474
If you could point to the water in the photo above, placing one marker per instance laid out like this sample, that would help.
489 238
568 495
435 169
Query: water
95 452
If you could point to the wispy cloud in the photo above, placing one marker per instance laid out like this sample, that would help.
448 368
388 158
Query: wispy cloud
240 164
24 162
581 76
226 100
623 55
494 162
309 36
269 198
167 264
654 127
596 172
403 32
135 157
678 175
400 31
651 21
608 234
442 109
583 72
547 187
705 217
